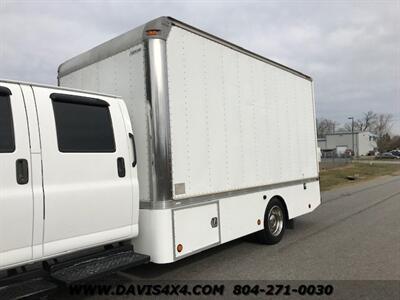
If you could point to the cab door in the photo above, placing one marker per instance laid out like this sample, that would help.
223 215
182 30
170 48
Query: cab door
86 171
16 196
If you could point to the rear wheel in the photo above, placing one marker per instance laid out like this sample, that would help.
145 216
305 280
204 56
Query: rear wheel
274 223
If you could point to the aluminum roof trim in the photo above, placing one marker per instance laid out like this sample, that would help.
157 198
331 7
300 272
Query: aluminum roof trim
138 35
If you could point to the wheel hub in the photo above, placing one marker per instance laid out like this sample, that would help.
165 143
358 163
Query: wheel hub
275 220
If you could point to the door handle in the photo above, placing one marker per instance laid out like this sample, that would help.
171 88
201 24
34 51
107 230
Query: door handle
131 136
214 222
22 169
121 167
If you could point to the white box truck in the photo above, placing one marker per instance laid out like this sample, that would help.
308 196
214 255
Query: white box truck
225 140
221 132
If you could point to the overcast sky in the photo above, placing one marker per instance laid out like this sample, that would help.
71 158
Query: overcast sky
350 48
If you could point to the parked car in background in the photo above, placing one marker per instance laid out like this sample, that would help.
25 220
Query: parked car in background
387 155
396 153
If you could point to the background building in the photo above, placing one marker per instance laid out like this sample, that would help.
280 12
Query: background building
360 142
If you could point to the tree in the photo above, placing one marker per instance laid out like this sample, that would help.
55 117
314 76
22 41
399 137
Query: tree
383 124
384 143
379 124
366 123
325 126
394 142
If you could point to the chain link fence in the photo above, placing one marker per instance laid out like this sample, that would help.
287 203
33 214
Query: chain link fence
331 159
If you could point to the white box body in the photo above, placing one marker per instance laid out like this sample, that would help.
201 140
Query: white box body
215 125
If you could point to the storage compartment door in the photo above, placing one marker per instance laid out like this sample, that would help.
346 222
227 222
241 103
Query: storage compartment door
196 228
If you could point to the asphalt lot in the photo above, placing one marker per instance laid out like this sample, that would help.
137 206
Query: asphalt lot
353 235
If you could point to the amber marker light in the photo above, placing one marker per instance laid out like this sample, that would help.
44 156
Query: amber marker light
258 222
152 32
179 248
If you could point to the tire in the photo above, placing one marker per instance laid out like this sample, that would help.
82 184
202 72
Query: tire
274 230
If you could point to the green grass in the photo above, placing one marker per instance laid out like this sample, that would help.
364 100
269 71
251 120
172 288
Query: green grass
362 171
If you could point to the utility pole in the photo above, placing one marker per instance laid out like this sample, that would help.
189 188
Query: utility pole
352 134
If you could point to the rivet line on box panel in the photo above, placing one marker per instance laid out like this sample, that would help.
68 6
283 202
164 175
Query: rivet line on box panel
225 119
207 116
188 165
240 118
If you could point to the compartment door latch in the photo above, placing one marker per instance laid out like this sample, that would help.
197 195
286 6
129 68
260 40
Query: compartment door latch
214 222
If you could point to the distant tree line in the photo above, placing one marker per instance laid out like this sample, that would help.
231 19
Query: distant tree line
379 124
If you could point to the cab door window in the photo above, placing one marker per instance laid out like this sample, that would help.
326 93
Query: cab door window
83 124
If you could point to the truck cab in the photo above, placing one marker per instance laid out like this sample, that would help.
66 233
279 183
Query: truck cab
68 178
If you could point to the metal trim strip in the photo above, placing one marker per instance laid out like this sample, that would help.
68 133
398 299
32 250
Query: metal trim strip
161 168
198 200
68 98
137 36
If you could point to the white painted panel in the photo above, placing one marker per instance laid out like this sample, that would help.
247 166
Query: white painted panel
84 196
233 119
238 217
124 75
15 257
190 130
239 214
36 169
16 200
236 121
91 240
193 230
156 236
215 101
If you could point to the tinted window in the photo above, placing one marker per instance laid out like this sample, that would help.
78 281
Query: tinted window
6 125
83 128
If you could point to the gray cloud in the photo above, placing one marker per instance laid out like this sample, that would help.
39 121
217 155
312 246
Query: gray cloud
351 49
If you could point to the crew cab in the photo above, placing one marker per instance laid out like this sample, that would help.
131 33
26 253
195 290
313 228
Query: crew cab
68 177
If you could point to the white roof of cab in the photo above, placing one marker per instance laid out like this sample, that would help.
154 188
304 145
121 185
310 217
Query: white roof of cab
57 88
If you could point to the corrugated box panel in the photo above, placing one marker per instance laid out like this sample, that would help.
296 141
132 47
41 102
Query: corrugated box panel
236 122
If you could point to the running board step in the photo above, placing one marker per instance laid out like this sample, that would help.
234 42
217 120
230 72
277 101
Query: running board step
28 289
97 266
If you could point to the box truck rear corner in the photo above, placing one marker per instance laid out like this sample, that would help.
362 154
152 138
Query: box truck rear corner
209 142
